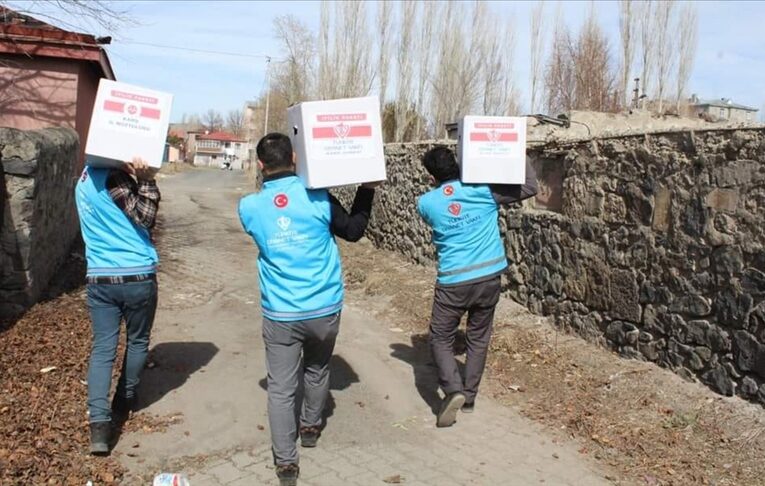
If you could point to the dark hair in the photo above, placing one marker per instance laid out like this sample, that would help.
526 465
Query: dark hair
441 163
275 151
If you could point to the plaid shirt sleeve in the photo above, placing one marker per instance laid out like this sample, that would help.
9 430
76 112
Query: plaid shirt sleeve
138 200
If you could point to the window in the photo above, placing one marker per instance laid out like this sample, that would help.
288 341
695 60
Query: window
722 112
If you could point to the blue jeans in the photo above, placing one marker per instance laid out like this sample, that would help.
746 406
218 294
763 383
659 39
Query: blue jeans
109 304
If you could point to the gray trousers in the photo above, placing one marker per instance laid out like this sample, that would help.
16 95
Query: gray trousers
286 343
479 300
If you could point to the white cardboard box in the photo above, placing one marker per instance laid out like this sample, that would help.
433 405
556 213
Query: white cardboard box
492 149
128 121
337 142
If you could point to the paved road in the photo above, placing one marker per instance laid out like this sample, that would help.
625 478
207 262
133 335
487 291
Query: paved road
210 368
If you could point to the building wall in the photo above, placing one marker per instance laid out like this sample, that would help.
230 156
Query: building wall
44 92
38 93
39 220
87 88
653 245
727 113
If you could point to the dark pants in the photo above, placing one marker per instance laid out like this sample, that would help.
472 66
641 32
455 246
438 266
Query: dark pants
285 342
449 305
109 304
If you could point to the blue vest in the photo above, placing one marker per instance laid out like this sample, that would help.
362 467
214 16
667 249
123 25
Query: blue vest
114 245
299 262
465 226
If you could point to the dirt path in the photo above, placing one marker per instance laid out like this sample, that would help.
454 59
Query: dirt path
208 380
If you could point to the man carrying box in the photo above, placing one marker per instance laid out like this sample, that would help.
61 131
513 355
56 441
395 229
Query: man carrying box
117 213
301 287
471 258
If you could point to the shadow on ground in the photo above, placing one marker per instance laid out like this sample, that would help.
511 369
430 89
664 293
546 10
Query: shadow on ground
425 373
341 377
174 363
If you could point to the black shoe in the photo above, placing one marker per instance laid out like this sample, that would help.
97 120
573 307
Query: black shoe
469 407
122 408
449 407
309 436
288 474
100 436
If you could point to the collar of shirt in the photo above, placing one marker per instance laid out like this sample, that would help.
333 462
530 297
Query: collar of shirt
278 175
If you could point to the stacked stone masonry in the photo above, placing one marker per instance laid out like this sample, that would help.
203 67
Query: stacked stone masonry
653 245
39 221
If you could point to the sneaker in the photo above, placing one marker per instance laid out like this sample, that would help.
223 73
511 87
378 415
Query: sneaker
100 436
288 474
469 407
309 436
122 408
449 407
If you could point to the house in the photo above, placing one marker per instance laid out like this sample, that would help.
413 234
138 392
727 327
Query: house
48 76
723 109
213 149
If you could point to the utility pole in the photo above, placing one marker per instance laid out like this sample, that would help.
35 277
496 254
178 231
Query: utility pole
268 93
636 91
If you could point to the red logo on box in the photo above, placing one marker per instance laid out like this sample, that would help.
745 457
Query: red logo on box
120 107
455 208
342 130
281 201
449 190
493 136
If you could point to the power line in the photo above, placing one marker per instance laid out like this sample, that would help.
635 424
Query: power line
205 51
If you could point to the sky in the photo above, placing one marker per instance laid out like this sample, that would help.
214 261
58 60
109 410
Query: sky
730 58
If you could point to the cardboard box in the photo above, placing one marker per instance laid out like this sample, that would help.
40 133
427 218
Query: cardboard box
127 121
338 142
492 149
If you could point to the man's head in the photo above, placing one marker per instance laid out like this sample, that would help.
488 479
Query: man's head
275 153
441 164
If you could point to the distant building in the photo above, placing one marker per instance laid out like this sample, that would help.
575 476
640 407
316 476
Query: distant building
723 109
48 76
213 149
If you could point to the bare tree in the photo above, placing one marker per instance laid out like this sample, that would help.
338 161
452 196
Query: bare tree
345 67
560 78
687 40
628 29
325 67
595 80
103 15
405 67
664 49
423 52
212 120
499 90
384 15
235 122
537 54
294 76
647 19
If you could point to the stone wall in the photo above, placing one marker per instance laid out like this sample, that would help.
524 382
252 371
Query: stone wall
39 217
653 245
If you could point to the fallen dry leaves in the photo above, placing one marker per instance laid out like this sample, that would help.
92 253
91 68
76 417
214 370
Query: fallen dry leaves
43 422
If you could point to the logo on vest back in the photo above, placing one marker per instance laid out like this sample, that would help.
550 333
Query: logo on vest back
455 208
448 190
281 201
284 223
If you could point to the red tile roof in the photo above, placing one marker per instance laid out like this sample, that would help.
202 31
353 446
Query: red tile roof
220 136
27 36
